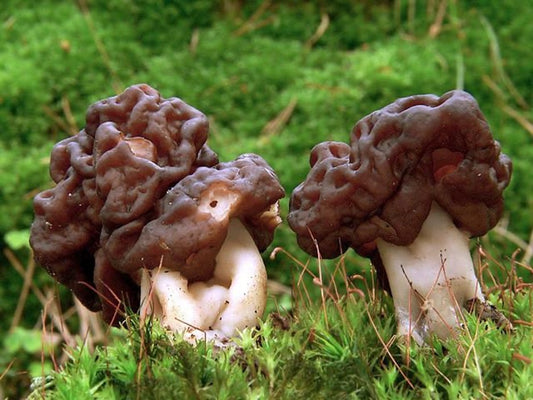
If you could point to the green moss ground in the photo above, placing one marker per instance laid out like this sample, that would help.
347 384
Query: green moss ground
242 64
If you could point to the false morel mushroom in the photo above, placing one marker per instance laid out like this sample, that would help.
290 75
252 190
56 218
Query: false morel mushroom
419 178
144 216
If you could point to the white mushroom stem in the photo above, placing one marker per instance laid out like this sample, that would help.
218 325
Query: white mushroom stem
229 302
431 279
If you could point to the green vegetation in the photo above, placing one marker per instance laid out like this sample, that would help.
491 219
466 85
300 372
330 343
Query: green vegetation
343 351
274 78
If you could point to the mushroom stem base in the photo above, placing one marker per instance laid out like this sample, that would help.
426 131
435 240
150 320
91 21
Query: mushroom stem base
232 300
431 279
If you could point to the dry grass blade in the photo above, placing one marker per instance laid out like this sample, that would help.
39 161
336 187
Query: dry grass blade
502 231
518 117
17 266
52 309
4 373
254 21
322 28
329 293
115 303
520 357
27 274
425 303
529 251
276 288
115 81
2 376
297 288
91 331
473 351
69 117
411 14
498 64
487 80
521 322
195 39
436 26
386 348
91 326
276 125
60 121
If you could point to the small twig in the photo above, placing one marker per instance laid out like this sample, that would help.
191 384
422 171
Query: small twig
518 117
304 269
387 350
332 287
195 38
320 30
90 325
67 111
6 370
63 125
424 304
448 380
498 65
500 94
17 266
521 357
522 322
253 22
45 333
52 309
460 318
115 81
411 13
472 350
276 125
322 292
436 26
410 327
529 250
515 239
277 288
28 276
116 304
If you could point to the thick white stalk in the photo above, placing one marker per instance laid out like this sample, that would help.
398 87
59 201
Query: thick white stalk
229 302
431 279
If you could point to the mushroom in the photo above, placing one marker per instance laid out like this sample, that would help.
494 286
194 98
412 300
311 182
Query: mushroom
202 273
420 177
144 216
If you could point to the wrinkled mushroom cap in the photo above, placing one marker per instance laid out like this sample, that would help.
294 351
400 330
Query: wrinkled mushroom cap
415 151
192 219
141 162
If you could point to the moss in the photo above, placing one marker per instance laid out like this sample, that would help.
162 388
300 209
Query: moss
242 63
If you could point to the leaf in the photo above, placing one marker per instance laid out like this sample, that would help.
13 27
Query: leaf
23 339
18 240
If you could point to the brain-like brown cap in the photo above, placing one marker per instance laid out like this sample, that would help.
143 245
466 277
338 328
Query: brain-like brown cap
112 179
401 158
189 229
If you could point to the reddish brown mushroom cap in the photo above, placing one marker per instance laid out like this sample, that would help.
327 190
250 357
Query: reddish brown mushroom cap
188 231
138 155
401 158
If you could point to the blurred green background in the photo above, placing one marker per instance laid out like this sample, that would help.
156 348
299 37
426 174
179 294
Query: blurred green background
274 78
